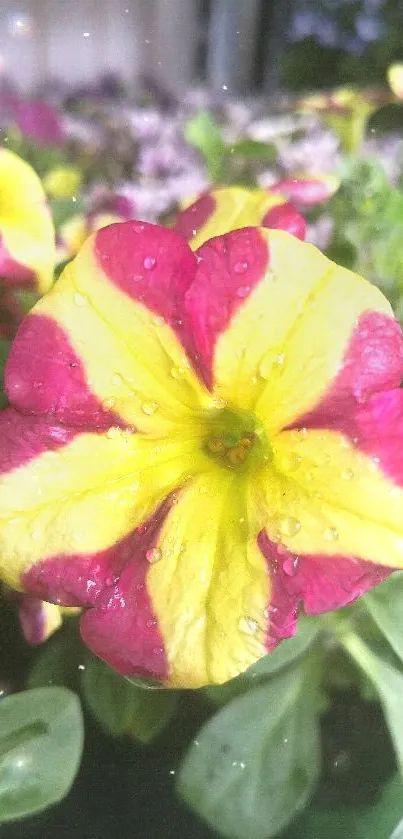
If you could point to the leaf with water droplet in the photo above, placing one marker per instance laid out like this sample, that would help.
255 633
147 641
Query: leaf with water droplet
41 741
241 778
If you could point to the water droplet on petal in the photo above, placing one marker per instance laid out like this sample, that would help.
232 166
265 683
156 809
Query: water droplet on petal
113 433
291 462
331 534
149 408
107 404
347 474
248 625
80 300
149 263
290 566
219 403
178 372
243 291
271 610
117 379
150 623
290 526
240 267
153 555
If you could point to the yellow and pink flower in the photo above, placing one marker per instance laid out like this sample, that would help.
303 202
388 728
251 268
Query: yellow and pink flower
27 238
109 208
221 209
200 444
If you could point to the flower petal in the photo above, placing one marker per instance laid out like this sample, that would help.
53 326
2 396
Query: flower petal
395 79
38 620
309 189
273 332
285 217
208 587
327 498
67 501
320 583
106 335
230 208
27 239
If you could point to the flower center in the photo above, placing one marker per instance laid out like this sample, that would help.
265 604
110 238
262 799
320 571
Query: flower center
235 439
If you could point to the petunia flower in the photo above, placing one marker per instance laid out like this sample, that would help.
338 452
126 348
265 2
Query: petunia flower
27 238
221 209
307 190
107 208
40 122
200 444
346 111
63 181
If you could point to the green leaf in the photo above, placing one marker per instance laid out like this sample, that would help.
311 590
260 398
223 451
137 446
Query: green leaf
388 681
254 764
57 662
41 742
124 708
398 832
254 150
282 656
385 604
375 822
204 134
65 208
4 351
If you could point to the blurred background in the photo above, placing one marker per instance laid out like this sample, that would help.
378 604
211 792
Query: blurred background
242 44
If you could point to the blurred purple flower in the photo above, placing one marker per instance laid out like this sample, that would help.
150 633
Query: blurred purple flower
146 123
317 151
319 233
40 122
368 28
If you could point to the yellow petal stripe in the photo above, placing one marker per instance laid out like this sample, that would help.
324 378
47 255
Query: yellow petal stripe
25 221
211 587
61 502
235 207
323 496
133 362
281 349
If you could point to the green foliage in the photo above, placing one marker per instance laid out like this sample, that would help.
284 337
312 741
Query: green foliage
226 163
204 134
5 345
124 708
374 822
58 661
385 604
387 678
368 214
64 208
255 763
41 741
